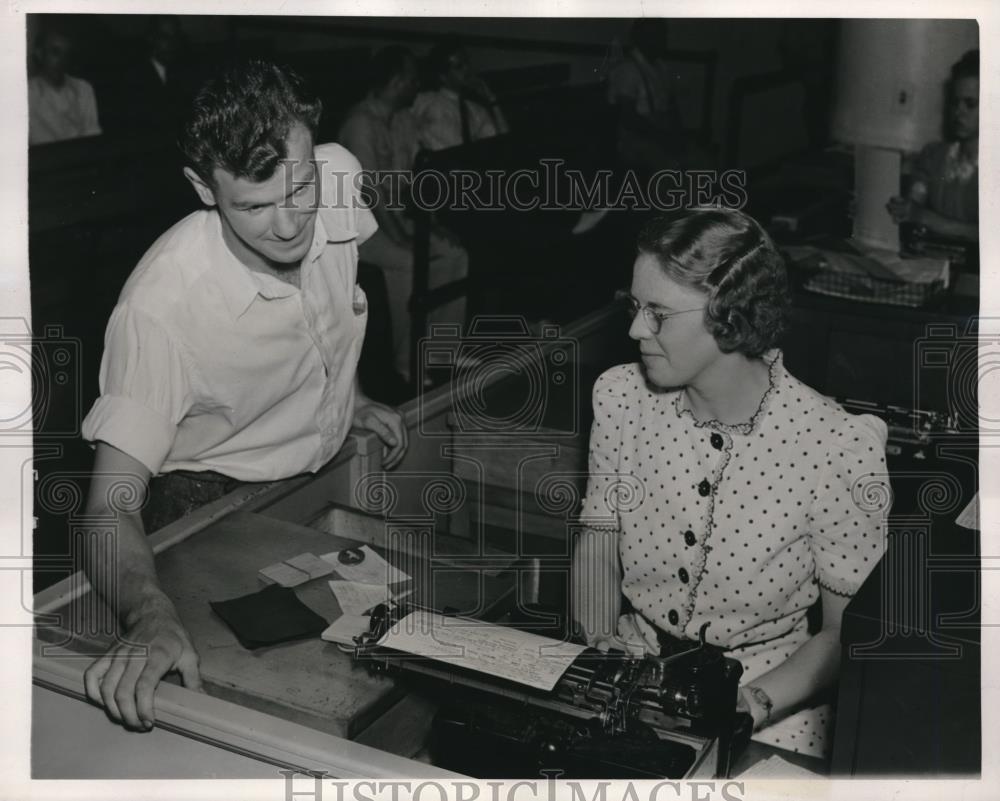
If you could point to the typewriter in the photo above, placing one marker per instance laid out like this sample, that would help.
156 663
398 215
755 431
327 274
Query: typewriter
609 715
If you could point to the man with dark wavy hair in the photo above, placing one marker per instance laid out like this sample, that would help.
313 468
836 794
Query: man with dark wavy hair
231 354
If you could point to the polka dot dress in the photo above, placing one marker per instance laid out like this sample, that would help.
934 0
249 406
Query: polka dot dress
737 525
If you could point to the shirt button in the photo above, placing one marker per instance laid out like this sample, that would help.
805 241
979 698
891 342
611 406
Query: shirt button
673 617
716 440
689 537
682 574
704 488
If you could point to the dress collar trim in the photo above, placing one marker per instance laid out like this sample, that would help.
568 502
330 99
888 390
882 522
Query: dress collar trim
774 362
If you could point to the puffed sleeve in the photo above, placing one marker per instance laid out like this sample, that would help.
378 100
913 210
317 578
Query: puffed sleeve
145 383
611 400
847 518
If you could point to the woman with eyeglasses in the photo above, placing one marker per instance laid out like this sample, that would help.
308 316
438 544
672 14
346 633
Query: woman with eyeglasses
943 196
722 490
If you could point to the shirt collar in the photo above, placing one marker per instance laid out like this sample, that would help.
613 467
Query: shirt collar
240 285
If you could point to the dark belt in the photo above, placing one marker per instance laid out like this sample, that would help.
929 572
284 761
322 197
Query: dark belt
174 495
669 644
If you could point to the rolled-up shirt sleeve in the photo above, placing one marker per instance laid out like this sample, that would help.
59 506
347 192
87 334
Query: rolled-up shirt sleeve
145 383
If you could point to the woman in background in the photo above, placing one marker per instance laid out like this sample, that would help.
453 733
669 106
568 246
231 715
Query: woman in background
944 186
750 493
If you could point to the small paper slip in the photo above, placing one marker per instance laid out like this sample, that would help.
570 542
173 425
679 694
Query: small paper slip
364 566
284 574
356 599
494 650
297 570
311 564
774 767
345 628
970 514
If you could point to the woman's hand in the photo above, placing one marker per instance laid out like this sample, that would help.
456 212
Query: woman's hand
902 210
750 701
386 423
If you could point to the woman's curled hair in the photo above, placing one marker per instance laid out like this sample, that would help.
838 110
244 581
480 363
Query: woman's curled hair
727 255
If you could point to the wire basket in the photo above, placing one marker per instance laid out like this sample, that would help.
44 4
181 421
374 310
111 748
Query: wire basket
849 274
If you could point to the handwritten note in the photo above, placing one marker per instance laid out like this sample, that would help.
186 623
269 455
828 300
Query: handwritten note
494 650
356 599
364 566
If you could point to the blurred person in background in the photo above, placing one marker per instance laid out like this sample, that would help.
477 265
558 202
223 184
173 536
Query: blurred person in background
943 194
382 133
60 106
650 129
153 83
459 107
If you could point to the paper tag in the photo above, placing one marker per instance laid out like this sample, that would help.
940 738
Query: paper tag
284 574
311 564
345 628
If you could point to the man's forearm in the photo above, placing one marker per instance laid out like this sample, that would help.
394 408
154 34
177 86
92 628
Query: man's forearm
122 571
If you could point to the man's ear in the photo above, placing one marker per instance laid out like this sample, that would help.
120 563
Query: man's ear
204 191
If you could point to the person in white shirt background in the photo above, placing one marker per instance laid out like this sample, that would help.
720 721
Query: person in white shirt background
459 107
60 106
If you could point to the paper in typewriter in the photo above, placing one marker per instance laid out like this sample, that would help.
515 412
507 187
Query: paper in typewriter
494 650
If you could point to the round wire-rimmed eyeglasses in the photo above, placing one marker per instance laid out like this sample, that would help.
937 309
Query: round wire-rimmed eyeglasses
653 319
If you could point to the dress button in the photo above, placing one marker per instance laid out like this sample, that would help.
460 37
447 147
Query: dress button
716 440
682 574
673 617
704 488
689 537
